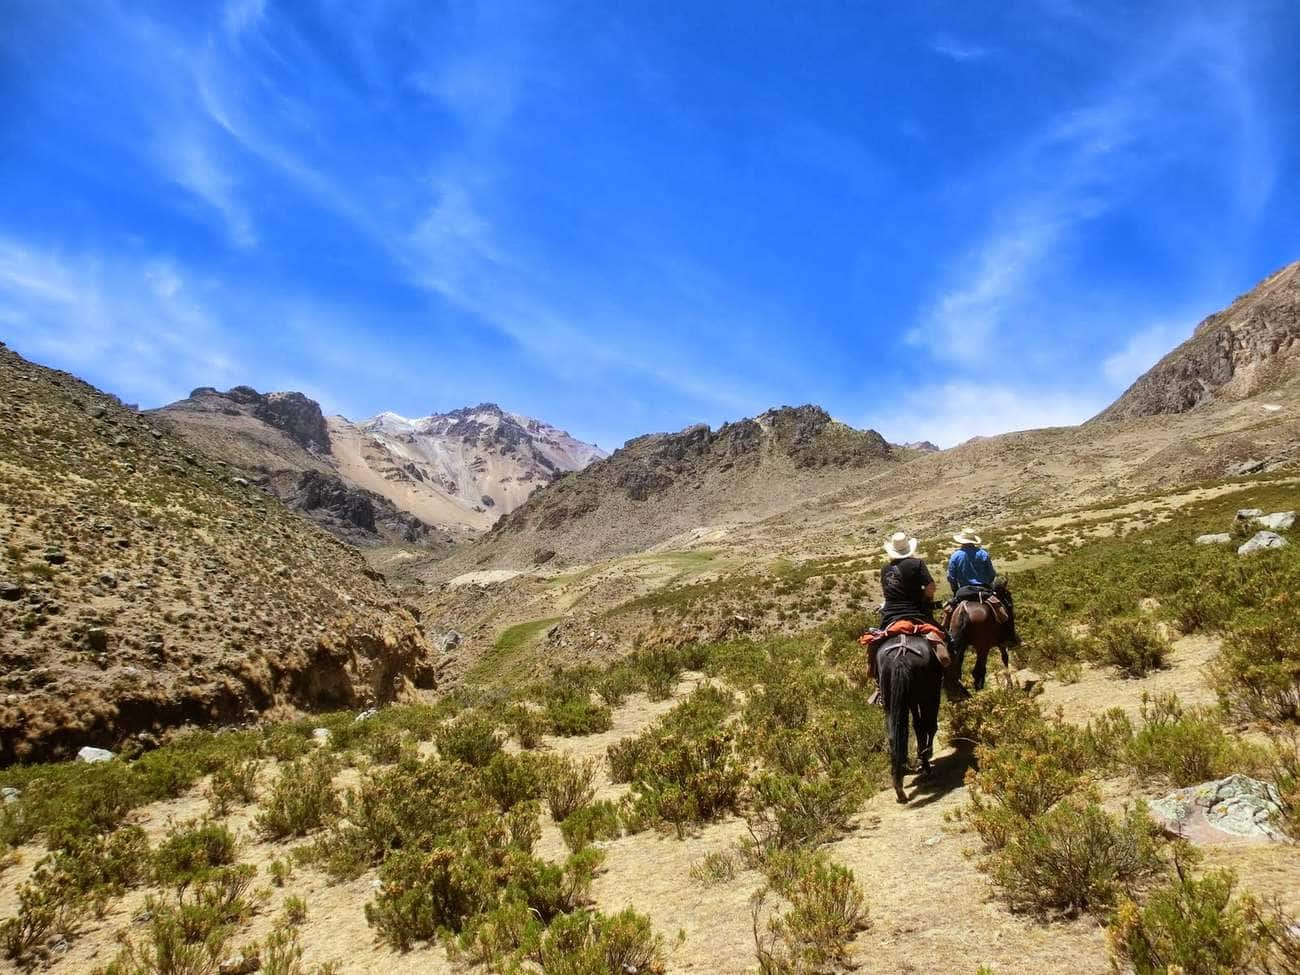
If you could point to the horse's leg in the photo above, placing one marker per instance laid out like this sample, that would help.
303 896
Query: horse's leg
958 640
928 723
924 737
981 667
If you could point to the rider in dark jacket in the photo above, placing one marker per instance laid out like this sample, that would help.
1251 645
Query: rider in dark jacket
906 583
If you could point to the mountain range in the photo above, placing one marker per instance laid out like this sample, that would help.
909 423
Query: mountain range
433 481
175 566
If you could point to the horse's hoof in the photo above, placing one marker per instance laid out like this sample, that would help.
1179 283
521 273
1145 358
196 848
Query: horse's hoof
899 794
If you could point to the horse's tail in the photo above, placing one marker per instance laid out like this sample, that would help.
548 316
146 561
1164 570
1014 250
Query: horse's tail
898 710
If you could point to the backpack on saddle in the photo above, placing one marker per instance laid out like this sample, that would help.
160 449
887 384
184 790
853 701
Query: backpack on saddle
977 594
877 640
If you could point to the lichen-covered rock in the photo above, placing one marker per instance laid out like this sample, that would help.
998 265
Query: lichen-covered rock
1260 541
1235 808
1278 521
1218 538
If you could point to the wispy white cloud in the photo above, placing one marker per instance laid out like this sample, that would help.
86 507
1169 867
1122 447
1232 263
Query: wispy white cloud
957 49
952 413
1143 350
193 166
106 317
241 15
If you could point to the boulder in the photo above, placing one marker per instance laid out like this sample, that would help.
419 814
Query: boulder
10 795
1246 514
366 715
1278 521
10 591
321 735
1218 538
1234 808
92 755
1261 541
450 641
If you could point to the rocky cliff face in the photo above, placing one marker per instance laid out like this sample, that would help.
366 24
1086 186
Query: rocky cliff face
297 416
1233 354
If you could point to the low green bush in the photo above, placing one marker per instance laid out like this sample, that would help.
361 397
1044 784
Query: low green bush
233 784
470 738
1183 746
686 781
303 798
1076 857
590 943
526 724
827 909
571 717
1257 673
567 785
190 851
82 877
1189 925
510 779
1134 647
598 820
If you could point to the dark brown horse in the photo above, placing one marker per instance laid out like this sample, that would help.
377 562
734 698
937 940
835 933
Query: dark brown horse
910 671
974 625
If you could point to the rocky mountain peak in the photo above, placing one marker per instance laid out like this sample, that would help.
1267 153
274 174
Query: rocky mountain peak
1235 353
294 414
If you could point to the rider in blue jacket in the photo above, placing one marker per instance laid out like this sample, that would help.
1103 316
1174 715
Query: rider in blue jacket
971 568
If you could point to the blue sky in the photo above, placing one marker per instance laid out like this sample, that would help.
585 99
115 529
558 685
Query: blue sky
937 219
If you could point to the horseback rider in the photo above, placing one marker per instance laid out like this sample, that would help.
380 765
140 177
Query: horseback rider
908 608
971 575
906 583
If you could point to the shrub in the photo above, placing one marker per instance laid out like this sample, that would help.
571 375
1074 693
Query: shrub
418 804
1135 647
660 667
470 738
687 781
384 746
1257 673
1017 782
596 821
190 852
510 780
617 683
996 714
587 943
86 874
425 891
827 909
188 936
303 798
286 742
498 938
295 910
232 784
787 809
1188 925
527 725
1184 747
1286 778
1075 857
568 786
571 717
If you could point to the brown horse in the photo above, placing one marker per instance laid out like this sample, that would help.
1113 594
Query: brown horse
973 624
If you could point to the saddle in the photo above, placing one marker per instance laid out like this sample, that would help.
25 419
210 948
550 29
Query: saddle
977 594
901 636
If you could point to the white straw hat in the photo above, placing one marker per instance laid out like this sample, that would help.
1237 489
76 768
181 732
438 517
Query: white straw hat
900 546
967 536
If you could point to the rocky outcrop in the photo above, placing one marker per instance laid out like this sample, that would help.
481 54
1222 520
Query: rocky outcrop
1233 809
1234 353
356 515
663 483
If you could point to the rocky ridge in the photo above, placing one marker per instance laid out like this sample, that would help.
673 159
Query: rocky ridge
1245 349
146 584
431 481
660 484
